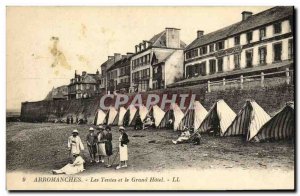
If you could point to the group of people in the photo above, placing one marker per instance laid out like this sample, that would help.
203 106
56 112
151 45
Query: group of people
99 146
188 135
148 122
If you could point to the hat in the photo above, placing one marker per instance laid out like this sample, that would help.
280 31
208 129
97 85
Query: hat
122 128
75 131
91 129
100 127
108 127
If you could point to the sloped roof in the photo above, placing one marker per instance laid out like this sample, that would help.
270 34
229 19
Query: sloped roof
163 55
254 21
124 61
159 40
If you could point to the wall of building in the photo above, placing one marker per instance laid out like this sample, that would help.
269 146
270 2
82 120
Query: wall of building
173 67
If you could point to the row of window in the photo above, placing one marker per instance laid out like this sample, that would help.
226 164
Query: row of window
217 65
124 80
277 29
124 70
141 61
145 73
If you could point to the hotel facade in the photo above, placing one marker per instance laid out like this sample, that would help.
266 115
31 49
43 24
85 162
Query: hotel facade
259 42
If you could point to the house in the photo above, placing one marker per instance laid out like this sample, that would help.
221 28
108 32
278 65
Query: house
118 75
152 58
258 43
84 86
59 93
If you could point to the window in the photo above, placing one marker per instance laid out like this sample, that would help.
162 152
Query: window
262 52
262 33
220 65
211 47
237 59
203 50
202 68
249 37
249 58
212 66
277 48
237 40
192 53
220 45
277 28
290 49
189 71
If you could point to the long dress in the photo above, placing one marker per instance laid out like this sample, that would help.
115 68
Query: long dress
123 149
72 168
101 145
75 144
108 144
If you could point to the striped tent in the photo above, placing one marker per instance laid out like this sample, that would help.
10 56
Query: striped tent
173 113
220 116
193 116
157 114
111 115
120 117
129 115
99 117
281 126
248 121
142 111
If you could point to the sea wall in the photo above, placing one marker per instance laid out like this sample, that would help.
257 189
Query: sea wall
271 98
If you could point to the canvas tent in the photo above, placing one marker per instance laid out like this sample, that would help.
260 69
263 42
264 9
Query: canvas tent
281 126
173 113
129 115
111 115
193 116
142 111
219 116
157 113
248 121
99 117
120 117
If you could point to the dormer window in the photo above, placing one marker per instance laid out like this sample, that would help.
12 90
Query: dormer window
237 40
220 45
249 37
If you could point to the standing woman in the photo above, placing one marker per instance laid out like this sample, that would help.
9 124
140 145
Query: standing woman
108 144
101 144
123 141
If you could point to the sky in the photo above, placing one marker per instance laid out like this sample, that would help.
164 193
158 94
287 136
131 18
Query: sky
45 45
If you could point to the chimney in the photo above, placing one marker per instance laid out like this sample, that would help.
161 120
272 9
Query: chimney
200 33
117 56
172 37
246 15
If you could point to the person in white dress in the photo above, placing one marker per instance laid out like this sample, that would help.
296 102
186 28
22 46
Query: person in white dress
101 152
75 145
123 142
72 168
184 137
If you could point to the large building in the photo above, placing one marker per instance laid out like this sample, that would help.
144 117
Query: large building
59 93
152 58
262 42
104 67
118 75
84 86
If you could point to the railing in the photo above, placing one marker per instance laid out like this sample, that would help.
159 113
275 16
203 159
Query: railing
262 79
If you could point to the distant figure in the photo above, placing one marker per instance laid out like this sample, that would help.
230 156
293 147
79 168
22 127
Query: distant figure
148 122
68 120
138 123
74 144
123 142
170 124
184 137
72 120
108 144
215 126
91 140
72 168
101 144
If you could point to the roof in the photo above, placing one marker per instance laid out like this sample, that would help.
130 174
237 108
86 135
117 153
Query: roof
124 61
254 21
159 40
231 73
162 55
57 93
